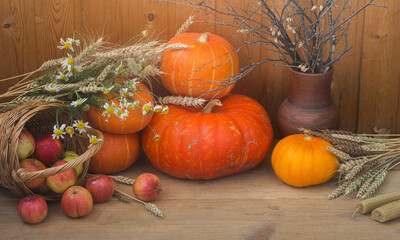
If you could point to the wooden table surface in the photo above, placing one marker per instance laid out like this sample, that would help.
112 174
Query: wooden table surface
250 205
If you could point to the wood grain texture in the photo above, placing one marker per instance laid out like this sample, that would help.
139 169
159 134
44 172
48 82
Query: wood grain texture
366 83
250 205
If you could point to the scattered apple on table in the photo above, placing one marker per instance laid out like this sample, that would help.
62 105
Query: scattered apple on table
76 202
26 145
147 187
33 165
32 209
100 186
60 182
48 150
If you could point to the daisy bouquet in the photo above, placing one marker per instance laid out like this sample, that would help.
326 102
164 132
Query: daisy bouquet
99 75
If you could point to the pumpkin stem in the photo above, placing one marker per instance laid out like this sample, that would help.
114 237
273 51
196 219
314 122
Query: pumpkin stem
211 104
203 38
307 137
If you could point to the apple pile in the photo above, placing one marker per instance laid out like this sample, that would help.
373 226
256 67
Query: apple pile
76 201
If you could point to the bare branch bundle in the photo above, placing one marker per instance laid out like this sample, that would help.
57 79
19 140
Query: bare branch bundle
300 32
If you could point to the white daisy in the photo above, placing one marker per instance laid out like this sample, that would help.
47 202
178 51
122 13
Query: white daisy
134 83
109 109
68 61
136 104
125 92
156 137
75 42
58 132
119 69
61 76
81 126
51 88
93 140
78 102
107 90
69 130
122 114
66 44
165 110
145 33
72 70
129 105
147 108
158 108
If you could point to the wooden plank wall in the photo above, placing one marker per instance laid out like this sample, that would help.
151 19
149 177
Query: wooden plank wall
366 83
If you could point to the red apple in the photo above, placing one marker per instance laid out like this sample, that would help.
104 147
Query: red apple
48 150
26 145
60 182
147 187
76 202
32 209
100 186
33 165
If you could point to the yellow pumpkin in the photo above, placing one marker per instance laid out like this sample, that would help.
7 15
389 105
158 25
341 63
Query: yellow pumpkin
300 160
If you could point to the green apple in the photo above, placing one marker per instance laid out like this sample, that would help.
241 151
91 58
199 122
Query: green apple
78 168
69 154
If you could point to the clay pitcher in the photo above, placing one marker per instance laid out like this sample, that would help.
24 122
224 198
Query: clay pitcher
309 104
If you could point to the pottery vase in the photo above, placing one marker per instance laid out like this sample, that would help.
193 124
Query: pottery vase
309 104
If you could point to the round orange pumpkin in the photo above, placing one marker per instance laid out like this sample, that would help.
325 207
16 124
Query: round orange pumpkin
119 152
300 160
232 138
135 121
204 66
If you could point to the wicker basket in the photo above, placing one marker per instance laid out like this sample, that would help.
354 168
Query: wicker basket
38 118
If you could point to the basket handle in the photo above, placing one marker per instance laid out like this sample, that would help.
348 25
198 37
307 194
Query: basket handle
23 174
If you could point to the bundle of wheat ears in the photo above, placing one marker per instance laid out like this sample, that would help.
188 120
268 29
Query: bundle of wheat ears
365 160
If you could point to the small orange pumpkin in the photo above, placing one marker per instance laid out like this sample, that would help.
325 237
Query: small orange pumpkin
300 160
135 121
206 65
119 152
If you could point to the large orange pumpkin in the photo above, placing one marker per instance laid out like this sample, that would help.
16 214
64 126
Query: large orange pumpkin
232 138
119 152
301 160
133 123
204 66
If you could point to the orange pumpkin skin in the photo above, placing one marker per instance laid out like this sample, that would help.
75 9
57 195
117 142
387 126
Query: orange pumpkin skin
199 68
118 153
233 138
301 161
132 124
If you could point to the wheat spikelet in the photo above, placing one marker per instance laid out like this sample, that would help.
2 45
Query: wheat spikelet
124 180
376 147
354 185
375 185
370 175
102 76
341 132
350 138
353 172
43 98
349 165
61 87
88 51
50 64
177 46
341 155
372 139
90 89
182 101
154 210
185 26
151 71
351 149
138 50
339 191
